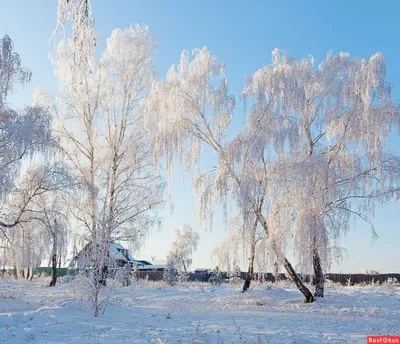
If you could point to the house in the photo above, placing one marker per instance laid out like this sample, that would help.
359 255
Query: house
118 256
144 265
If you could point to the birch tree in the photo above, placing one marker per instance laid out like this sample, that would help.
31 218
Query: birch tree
22 133
23 249
242 246
134 191
323 131
52 218
192 109
100 130
228 251
184 243
27 206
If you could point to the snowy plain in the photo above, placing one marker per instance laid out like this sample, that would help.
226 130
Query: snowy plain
152 312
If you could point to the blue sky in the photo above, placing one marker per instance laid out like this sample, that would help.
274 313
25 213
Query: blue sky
242 34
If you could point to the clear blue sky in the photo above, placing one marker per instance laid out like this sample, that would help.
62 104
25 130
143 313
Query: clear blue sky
242 34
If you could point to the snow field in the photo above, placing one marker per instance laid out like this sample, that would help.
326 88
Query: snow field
151 312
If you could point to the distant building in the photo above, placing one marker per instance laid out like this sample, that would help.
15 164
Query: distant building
142 262
118 256
144 265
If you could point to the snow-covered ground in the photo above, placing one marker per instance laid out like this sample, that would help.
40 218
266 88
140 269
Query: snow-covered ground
31 312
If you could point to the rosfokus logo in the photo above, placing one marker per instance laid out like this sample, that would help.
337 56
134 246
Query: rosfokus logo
384 339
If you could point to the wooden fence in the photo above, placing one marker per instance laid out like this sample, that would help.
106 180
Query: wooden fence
352 279
344 279
36 271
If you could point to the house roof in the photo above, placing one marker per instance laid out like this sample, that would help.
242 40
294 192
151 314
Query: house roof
151 267
115 252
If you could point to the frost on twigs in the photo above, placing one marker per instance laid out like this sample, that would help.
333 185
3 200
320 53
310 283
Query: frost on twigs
170 272
22 133
184 243
324 129
311 156
100 130
191 107
78 14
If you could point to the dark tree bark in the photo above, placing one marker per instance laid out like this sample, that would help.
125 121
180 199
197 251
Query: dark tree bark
318 273
289 268
250 272
247 281
15 272
54 255
299 283
103 276
53 270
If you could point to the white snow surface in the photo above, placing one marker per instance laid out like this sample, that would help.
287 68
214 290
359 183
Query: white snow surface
151 312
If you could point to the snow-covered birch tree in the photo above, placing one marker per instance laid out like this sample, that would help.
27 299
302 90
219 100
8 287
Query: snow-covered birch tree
51 217
134 191
242 246
323 130
28 207
192 109
228 252
100 130
184 243
22 133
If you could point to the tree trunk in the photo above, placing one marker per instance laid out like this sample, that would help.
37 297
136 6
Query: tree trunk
15 272
54 257
54 271
276 271
300 285
96 301
101 279
183 263
249 277
318 273
250 272
289 268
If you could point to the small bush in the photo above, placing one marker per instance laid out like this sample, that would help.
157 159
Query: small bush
216 277
234 280
135 272
170 273
393 282
66 279
183 276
